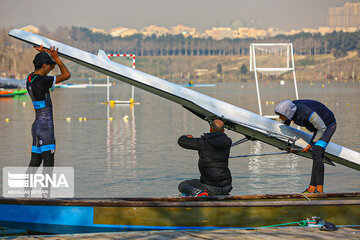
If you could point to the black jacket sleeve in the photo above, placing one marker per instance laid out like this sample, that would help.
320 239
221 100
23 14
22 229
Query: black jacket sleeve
189 143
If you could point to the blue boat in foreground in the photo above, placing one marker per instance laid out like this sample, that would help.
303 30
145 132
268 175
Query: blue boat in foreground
182 213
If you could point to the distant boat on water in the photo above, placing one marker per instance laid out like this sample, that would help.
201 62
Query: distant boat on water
71 85
191 84
10 87
12 93
11 83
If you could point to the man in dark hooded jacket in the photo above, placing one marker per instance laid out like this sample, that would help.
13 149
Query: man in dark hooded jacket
316 118
214 150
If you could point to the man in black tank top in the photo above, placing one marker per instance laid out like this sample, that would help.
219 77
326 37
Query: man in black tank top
38 85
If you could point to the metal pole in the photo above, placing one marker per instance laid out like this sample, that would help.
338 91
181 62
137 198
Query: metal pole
259 154
239 142
293 69
107 89
251 47
132 89
287 57
132 93
256 80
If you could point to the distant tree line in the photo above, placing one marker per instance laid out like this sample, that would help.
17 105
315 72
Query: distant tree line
15 56
337 43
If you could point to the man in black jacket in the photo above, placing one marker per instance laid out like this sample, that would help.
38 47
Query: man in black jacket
214 150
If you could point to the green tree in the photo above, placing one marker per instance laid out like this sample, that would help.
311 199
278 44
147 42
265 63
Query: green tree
340 53
244 69
219 69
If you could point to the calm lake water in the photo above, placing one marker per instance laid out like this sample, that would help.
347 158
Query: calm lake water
136 154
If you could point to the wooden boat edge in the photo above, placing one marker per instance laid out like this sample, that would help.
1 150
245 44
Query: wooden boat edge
241 200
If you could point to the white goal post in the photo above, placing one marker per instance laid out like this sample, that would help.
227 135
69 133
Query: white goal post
131 100
282 62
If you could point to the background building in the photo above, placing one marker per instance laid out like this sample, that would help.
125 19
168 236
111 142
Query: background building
122 32
250 33
31 28
345 16
157 30
219 33
181 29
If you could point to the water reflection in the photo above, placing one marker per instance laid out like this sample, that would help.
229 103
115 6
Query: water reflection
279 171
118 159
121 141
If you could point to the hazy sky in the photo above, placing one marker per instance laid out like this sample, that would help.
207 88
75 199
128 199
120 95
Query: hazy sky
202 14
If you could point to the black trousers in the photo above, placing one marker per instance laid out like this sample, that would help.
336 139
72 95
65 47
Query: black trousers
47 158
38 158
194 186
317 154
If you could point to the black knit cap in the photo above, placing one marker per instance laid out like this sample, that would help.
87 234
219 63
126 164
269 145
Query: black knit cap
43 57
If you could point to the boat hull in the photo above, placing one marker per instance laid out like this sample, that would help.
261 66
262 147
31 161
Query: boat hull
111 215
